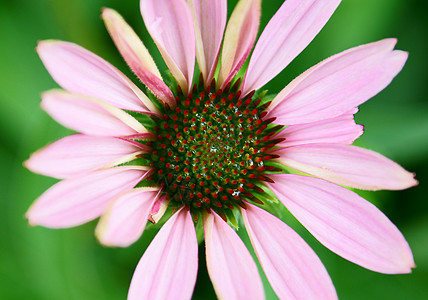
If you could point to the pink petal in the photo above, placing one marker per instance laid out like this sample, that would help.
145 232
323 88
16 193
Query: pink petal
89 115
76 154
142 147
289 31
232 270
142 136
80 71
338 130
348 165
241 33
125 219
210 20
158 209
345 223
171 26
292 267
169 266
136 55
78 200
338 84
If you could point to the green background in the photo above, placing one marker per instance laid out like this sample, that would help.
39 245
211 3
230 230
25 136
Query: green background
39 263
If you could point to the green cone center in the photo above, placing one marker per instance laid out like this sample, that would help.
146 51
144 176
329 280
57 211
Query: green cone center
210 150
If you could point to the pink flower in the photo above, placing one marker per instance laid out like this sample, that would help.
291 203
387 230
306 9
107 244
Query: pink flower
209 150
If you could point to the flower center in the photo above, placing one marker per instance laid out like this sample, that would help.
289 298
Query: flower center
210 150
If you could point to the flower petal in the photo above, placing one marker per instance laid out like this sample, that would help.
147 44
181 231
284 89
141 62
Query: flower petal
210 20
339 130
80 71
158 209
232 270
348 165
338 84
169 266
89 115
141 136
136 55
78 200
241 33
292 267
171 26
289 31
78 153
345 223
125 219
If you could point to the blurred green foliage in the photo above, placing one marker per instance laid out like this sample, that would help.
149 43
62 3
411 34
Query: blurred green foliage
39 263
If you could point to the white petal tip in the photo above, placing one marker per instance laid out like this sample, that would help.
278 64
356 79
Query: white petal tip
31 163
110 243
108 13
414 182
32 224
385 44
36 218
406 268
42 45
107 240
401 53
390 41
404 263
32 218
27 164
99 231
399 58
408 181
51 92
361 130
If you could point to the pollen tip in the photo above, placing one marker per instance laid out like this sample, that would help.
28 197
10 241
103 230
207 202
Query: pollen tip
258 201
236 85
179 91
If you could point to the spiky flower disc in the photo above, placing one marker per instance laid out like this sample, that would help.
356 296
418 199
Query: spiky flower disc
210 150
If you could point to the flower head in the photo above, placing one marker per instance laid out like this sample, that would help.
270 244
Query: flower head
212 149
